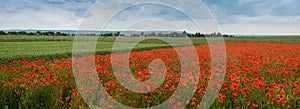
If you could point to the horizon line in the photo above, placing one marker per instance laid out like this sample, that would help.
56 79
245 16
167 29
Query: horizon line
237 34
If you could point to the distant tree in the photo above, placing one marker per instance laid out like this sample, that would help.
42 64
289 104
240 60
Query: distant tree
38 33
135 35
184 33
219 34
3 33
191 35
92 34
50 33
31 33
225 35
107 34
198 34
12 33
142 34
173 34
117 34
58 34
21 33
152 34
159 35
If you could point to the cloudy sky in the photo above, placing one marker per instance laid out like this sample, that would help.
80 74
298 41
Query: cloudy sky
232 16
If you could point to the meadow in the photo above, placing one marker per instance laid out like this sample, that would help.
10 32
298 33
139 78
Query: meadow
261 72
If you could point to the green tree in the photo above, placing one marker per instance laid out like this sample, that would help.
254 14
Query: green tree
3 33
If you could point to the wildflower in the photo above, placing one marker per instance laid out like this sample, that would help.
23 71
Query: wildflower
248 103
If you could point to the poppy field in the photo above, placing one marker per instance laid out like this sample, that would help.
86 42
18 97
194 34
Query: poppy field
258 75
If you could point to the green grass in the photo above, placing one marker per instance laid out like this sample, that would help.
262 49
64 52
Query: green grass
50 47
10 51
26 38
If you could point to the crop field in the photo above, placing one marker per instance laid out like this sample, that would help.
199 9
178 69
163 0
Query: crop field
37 72
50 47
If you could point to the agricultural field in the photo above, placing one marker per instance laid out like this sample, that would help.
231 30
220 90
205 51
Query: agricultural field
11 51
50 47
261 72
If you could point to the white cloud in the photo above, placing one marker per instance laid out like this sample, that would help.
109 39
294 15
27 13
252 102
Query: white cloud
242 16
46 18
268 19
264 24
250 29
103 11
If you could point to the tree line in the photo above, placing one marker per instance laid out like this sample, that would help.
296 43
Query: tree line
142 34
48 33
179 34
